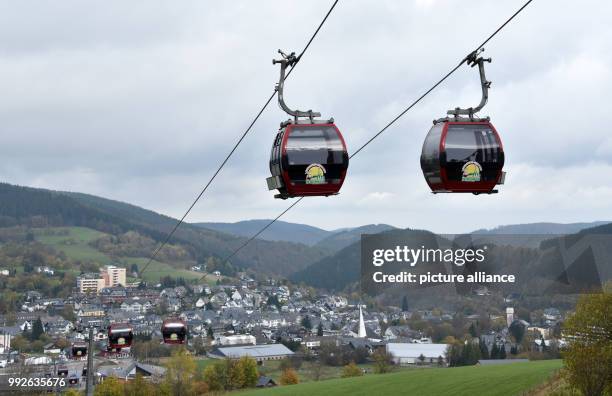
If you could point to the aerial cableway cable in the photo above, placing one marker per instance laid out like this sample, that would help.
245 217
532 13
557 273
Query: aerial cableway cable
389 124
244 134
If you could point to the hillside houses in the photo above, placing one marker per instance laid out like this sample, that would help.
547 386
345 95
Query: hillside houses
263 319
136 305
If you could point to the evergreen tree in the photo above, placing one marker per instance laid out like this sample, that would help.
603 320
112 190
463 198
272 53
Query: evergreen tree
37 330
405 304
421 358
494 351
470 353
502 352
453 355
26 334
543 344
134 268
320 329
464 358
473 330
474 353
306 323
484 351
517 330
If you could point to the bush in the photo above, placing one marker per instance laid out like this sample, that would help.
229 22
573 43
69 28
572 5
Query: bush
289 377
231 374
383 361
588 358
351 370
247 367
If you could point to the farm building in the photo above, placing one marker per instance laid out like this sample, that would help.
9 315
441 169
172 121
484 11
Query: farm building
409 353
257 352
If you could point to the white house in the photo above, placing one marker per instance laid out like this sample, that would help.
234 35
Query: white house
135 305
201 302
238 339
236 296
38 360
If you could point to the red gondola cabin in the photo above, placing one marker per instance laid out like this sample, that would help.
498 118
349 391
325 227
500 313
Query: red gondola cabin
120 336
79 350
308 159
463 157
174 331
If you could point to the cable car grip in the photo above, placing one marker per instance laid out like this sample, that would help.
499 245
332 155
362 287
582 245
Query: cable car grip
290 61
472 60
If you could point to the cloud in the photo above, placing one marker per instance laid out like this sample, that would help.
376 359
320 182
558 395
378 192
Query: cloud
141 104
377 197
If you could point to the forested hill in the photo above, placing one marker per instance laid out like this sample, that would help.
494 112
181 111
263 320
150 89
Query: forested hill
342 269
39 208
279 231
541 228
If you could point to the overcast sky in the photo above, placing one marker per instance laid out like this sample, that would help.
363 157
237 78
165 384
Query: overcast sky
140 101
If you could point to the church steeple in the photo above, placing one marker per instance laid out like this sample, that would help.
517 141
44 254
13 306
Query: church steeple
362 329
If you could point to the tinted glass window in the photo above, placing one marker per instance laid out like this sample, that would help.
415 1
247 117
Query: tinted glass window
430 155
308 145
275 155
472 143
116 336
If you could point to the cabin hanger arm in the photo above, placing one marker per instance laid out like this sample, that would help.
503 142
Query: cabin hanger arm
286 61
472 60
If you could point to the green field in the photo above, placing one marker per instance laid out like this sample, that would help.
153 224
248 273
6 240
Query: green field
511 379
75 244
203 363
157 270
306 371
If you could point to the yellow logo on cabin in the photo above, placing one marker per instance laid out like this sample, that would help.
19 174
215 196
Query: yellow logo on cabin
315 174
471 172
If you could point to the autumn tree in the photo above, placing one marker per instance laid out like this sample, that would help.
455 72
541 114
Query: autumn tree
111 386
351 370
588 358
289 377
316 370
231 374
235 377
139 387
383 361
180 370
215 377
249 374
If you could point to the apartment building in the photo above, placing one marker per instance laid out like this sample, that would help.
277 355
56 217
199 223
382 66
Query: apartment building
113 276
90 283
